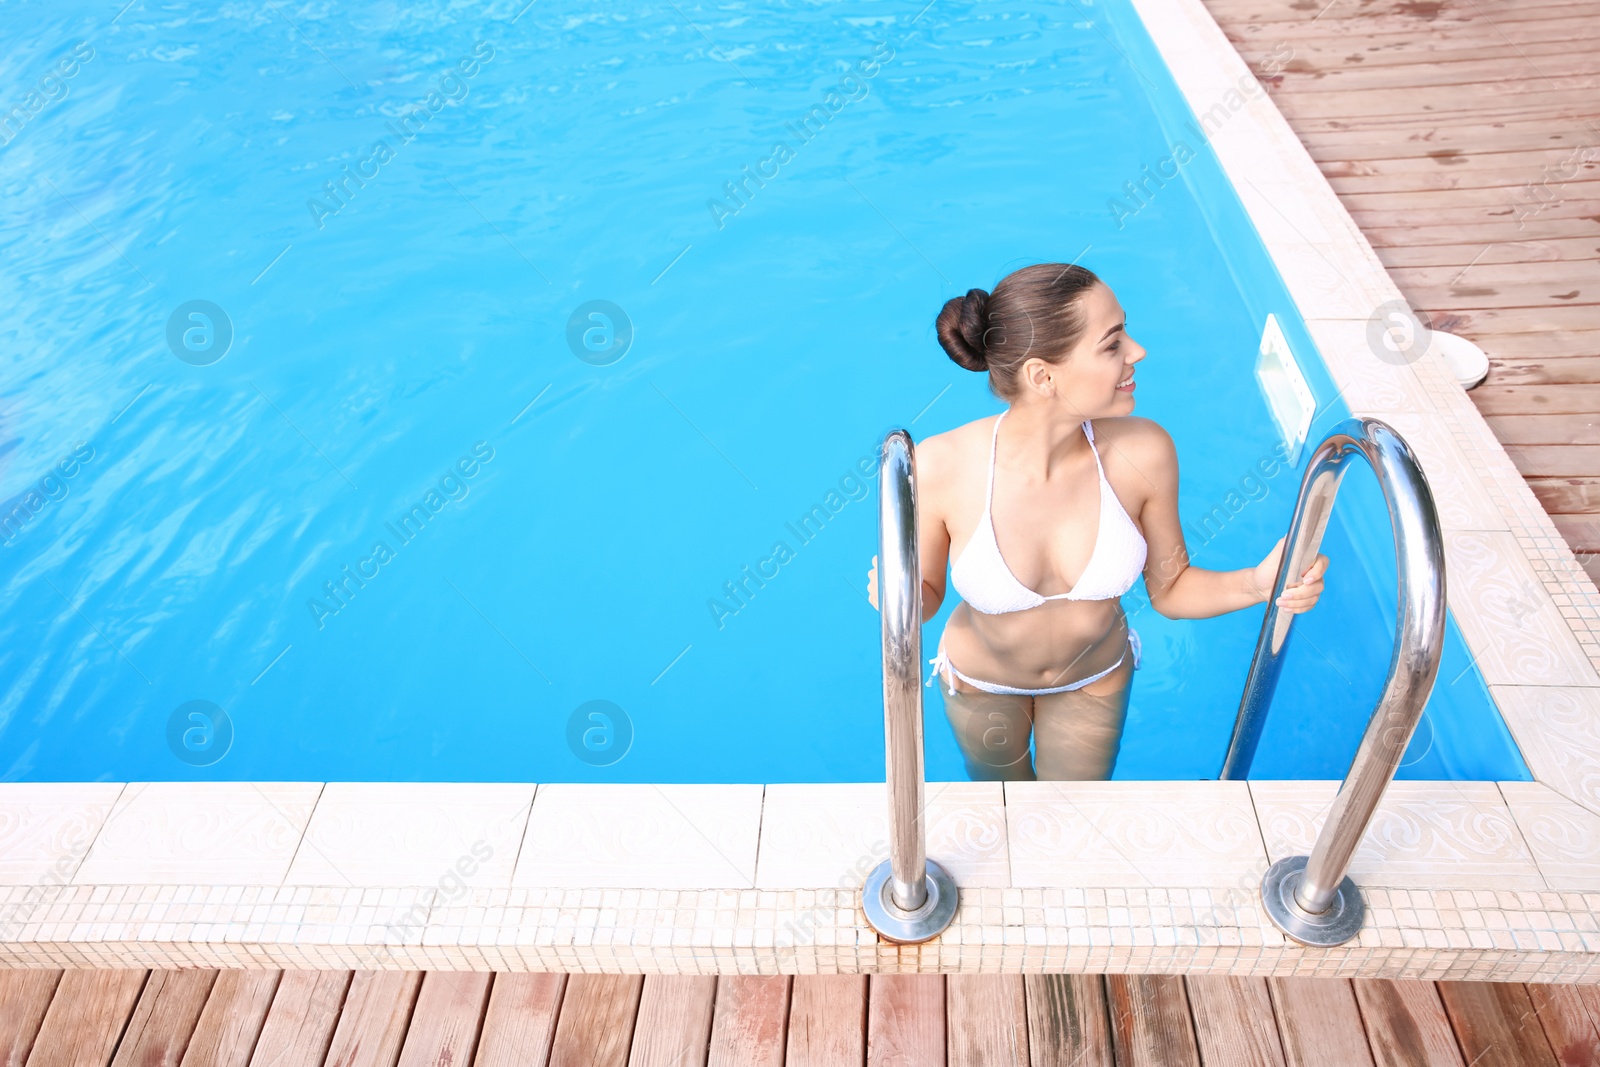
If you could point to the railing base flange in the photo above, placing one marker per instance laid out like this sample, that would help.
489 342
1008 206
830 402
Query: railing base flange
1338 924
909 927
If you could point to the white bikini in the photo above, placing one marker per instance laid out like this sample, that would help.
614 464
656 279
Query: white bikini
983 580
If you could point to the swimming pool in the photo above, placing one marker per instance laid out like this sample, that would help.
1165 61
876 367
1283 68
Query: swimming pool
581 516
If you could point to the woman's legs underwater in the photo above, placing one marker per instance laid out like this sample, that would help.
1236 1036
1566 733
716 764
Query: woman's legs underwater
992 730
1076 734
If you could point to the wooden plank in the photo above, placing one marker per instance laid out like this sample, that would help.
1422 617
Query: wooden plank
1567 496
905 1020
520 1024
1342 19
164 1019
1555 461
232 1020
1399 33
1150 1021
1067 1021
1568 249
1411 232
86 1018
827 1020
748 1025
1590 995
1546 429
24 998
1472 75
1565 399
300 1024
1418 51
1551 273
1233 1021
1320 1022
674 1024
987 1020
1377 176
1548 168
1357 104
444 1023
1581 532
595 1027
1488 295
373 1021
1553 368
1568 1026
1406 1024
1496 1024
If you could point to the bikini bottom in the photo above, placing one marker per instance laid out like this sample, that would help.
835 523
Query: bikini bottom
942 661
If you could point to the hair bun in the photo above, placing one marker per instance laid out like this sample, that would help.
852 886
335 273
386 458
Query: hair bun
961 326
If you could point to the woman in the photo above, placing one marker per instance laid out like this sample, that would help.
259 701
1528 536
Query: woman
1055 507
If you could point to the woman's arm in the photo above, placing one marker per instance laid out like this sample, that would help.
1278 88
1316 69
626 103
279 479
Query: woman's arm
1178 590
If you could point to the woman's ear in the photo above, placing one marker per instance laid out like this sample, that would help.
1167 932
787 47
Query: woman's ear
1037 378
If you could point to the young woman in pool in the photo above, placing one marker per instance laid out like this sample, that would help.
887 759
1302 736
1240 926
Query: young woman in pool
1054 507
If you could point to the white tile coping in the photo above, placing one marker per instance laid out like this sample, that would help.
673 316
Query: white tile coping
1465 880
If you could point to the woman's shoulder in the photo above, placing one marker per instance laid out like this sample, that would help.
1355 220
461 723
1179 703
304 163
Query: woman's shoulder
961 438
948 460
1141 443
1134 431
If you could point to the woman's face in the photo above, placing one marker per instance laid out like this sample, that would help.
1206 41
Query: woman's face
1096 379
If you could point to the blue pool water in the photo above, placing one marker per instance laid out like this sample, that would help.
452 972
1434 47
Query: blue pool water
392 225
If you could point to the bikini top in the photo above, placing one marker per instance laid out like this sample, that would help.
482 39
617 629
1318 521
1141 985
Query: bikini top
984 581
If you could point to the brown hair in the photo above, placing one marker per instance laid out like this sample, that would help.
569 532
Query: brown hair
1035 311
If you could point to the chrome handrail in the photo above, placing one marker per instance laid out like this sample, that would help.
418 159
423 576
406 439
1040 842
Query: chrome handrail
907 898
1313 900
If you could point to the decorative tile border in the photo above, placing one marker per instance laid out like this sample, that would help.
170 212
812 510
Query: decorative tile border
1463 880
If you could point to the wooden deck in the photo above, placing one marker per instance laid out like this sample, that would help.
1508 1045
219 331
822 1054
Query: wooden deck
201 1018
1464 138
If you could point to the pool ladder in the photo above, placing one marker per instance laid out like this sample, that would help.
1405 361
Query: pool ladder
1313 900
908 898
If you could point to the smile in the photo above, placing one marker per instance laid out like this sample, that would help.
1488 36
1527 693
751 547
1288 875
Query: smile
1126 384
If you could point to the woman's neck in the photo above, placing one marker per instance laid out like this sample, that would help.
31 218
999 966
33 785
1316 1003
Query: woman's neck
1043 440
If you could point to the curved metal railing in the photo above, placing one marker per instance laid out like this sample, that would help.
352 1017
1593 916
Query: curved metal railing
907 898
1313 899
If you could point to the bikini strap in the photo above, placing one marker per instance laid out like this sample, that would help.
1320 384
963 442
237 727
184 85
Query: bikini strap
1088 432
994 448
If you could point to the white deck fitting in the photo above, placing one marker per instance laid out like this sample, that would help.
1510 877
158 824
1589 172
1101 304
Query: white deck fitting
1464 880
